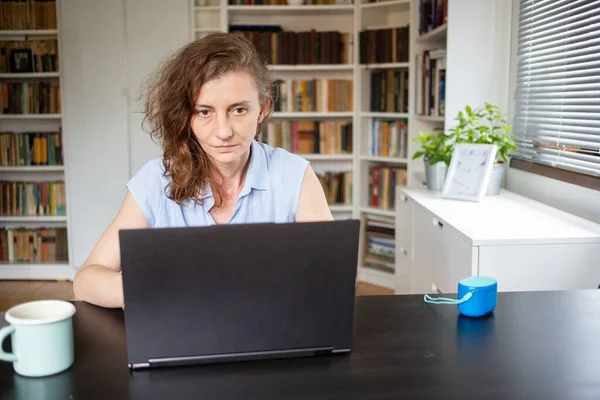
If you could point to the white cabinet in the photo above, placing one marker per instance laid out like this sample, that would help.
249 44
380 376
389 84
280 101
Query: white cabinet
404 246
523 244
444 256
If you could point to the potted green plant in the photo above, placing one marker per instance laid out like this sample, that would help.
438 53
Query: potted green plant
486 125
436 151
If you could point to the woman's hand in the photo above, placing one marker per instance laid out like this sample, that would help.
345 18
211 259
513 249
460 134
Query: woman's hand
99 281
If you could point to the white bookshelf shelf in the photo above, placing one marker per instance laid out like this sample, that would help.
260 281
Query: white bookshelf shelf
312 67
30 75
37 122
430 118
384 26
30 32
352 19
405 4
338 208
436 35
207 30
389 160
376 277
383 115
385 66
377 211
35 271
327 157
41 168
322 115
33 218
30 116
285 9
207 8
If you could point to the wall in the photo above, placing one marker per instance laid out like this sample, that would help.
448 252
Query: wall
571 198
108 47
478 53
155 28
95 111
566 196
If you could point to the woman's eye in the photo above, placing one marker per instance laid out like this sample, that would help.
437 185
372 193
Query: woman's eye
203 113
240 110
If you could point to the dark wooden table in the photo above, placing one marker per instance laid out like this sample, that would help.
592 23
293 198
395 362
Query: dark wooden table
537 345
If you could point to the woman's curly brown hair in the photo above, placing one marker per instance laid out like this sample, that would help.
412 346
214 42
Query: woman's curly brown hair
169 106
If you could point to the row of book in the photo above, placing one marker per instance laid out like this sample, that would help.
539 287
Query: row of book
310 137
386 45
27 14
30 149
30 98
337 187
320 95
432 14
29 56
282 47
389 91
32 198
382 185
431 83
282 2
388 138
33 245
380 251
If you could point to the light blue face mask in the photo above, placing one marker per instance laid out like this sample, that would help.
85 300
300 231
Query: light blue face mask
477 296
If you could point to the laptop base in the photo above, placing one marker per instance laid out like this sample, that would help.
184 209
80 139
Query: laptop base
237 357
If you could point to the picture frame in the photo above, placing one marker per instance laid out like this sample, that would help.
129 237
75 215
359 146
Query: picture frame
21 60
469 171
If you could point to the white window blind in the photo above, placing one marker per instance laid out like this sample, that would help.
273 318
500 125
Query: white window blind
557 99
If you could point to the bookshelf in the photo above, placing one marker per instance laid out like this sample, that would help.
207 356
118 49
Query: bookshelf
33 207
332 158
383 121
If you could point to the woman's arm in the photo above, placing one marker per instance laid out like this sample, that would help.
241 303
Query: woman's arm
312 205
98 280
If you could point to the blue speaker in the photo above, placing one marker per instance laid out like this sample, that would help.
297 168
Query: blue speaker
477 296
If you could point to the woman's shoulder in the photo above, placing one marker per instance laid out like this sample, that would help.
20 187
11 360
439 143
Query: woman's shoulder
282 161
286 172
151 175
152 168
147 186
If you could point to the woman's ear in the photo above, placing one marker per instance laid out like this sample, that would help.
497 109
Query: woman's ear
264 110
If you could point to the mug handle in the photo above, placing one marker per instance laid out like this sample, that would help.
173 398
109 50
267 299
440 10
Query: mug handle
4 333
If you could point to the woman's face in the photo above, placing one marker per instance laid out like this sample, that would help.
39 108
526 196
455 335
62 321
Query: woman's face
226 116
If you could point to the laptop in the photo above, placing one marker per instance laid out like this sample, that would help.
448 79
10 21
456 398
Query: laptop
239 292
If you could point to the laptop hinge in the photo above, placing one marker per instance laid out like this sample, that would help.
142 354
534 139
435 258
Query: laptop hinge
139 365
247 356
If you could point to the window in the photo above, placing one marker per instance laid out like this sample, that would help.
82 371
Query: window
557 98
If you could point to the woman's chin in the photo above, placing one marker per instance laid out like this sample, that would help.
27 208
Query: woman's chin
226 156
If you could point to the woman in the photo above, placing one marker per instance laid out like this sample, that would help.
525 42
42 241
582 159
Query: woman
206 105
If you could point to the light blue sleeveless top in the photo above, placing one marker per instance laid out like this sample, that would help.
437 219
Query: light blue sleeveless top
270 193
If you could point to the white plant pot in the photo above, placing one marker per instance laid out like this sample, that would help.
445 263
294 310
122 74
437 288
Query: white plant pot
496 179
436 175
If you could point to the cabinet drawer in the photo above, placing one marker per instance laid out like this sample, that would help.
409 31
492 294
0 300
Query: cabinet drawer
425 239
441 257
404 221
555 266
455 260
403 239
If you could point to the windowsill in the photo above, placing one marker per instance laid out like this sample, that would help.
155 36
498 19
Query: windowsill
586 181
564 195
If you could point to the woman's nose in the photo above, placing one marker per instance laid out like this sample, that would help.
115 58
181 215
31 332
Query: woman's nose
224 130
